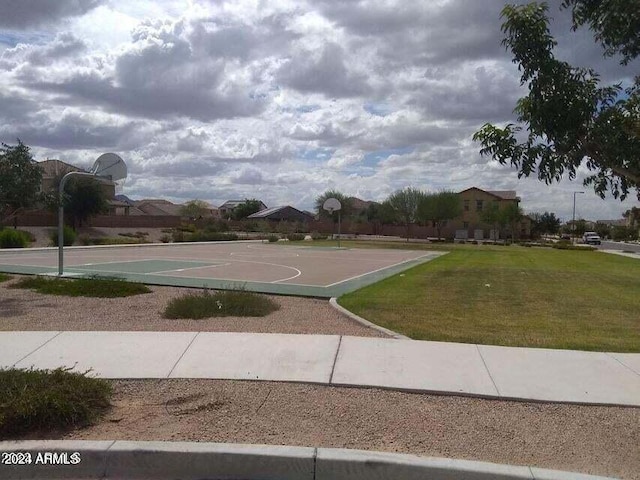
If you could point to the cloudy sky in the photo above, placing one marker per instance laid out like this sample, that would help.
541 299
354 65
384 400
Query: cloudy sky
279 100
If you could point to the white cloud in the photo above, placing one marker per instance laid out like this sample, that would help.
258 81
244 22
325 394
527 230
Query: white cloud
243 98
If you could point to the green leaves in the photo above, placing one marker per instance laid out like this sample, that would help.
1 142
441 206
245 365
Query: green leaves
569 118
20 178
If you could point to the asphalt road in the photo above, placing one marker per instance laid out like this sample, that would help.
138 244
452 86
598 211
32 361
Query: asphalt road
630 247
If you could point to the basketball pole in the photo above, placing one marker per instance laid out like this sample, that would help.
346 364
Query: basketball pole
63 182
339 229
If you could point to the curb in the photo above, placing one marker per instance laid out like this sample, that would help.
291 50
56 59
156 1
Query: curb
197 460
333 301
124 245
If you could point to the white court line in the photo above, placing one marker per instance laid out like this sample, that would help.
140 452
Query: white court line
188 268
290 278
378 270
141 260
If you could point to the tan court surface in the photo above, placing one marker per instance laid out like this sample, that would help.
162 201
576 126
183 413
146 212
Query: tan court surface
293 270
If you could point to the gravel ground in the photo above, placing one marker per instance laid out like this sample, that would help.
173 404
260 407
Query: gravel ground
595 440
28 310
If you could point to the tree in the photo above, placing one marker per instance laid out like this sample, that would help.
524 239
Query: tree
195 209
633 216
83 198
345 202
379 214
492 216
438 208
20 179
246 208
511 215
570 119
544 223
404 205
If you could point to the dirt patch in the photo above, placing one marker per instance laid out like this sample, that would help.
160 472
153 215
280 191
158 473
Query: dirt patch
27 310
595 440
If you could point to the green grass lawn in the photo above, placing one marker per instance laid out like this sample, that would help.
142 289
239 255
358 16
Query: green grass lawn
516 296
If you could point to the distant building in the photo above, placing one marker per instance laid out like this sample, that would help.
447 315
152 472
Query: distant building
474 202
54 170
283 213
226 209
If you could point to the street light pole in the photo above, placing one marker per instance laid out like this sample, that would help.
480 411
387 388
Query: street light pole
573 222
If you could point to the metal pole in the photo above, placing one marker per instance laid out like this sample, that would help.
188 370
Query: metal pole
339 229
573 221
63 182
573 224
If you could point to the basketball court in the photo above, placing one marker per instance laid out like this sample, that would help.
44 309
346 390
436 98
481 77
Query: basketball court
255 266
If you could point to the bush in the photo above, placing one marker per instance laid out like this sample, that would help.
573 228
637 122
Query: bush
205 236
229 303
30 236
318 236
4 278
165 238
296 237
112 241
187 228
273 238
69 236
37 400
10 238
82 287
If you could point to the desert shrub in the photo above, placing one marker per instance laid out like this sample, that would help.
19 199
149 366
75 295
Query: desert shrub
296 237
46 400
273 238
10 238
30 236
165 238
69 236
228 303
204 236
186 228
82 287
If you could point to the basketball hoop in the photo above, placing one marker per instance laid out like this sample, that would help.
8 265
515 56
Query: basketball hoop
108 166
333 205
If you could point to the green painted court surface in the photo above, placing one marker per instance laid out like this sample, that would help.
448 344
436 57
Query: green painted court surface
278 269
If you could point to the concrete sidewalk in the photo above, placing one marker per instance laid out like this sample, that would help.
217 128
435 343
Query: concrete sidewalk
446 368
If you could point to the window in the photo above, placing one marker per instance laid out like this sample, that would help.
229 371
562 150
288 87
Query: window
479 205
466 205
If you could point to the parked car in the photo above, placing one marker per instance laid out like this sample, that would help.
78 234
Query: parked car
593 239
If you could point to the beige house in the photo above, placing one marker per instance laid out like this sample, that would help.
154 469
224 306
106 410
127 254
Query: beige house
475 202
54 170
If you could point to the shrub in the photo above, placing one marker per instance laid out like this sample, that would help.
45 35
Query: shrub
318 236
4 278
82 287
36 400
296 237
10 238
205 236
228 303
187 228
165 238
69 236
30 236
273 238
